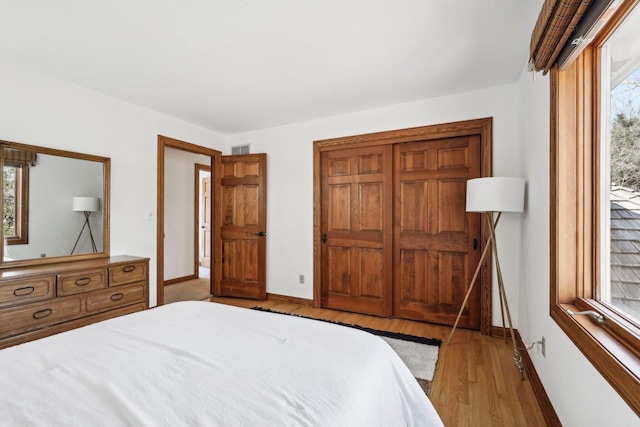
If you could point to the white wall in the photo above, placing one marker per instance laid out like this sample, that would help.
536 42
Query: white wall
44 111
179 215
580 395
290 177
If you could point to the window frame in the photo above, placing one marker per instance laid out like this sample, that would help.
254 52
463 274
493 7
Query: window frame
613 348
22 206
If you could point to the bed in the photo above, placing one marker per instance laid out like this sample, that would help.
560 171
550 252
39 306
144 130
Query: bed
208 364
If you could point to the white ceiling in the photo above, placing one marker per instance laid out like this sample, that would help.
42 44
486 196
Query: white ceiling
239 65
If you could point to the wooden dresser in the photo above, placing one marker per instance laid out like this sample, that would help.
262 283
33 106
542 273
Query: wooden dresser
44 300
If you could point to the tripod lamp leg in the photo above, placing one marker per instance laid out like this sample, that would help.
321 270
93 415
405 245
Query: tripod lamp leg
473 281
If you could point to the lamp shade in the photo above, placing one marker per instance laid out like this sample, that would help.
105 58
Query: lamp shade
86 204
495 194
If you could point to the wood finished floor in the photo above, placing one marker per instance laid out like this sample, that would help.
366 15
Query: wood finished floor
475 384
190 290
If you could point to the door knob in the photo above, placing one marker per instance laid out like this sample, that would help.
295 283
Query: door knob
261 234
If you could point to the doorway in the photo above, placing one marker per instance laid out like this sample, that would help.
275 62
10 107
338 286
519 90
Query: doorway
203 220
404 245
172 211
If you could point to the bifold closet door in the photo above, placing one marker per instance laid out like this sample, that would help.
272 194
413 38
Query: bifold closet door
357 226
436 242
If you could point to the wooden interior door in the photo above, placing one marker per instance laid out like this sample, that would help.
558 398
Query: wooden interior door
243 226
437 243
206 222
356 229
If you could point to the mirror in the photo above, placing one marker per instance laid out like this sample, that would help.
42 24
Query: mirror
55 205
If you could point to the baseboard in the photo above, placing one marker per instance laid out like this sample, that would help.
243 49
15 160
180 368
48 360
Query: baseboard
546 406
500 332
180 279
290 300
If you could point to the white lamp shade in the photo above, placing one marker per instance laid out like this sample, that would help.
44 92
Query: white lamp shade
495 194
86 204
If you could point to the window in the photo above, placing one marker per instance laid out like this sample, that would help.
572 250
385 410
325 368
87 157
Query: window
15 196
595 185
620 169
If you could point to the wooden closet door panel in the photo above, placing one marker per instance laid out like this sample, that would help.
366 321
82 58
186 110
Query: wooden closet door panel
434 254
356 227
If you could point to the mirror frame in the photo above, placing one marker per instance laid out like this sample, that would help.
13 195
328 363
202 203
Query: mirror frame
106 187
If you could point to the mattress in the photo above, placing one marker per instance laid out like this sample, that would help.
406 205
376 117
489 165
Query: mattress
208 364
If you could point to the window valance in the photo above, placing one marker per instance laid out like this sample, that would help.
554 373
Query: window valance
19 158
556 23
564 28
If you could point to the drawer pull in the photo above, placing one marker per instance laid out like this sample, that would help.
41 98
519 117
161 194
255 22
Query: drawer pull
27 290
129 268
117 297
41 314
83 281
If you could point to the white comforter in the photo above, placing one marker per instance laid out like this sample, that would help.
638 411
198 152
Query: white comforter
207 364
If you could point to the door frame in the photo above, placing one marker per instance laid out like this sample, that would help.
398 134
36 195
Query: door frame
198 167
216 250
482 127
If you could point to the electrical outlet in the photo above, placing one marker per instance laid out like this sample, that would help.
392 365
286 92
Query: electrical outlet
543 347
302 278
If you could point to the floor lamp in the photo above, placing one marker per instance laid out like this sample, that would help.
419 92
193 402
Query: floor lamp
486 196
87 205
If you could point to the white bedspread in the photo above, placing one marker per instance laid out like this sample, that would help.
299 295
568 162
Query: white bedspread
208 364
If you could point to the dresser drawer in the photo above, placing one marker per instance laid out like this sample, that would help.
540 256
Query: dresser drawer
110 298
38 315
127 273
77 282
25 291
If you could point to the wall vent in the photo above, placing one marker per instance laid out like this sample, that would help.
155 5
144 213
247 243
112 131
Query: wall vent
240 149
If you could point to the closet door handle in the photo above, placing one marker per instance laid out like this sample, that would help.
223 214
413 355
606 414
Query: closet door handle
475 244
324 238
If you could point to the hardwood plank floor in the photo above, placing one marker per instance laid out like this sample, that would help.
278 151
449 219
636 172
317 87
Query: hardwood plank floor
190 290
476 382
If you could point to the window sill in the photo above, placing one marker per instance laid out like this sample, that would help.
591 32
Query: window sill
17 241
616 362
